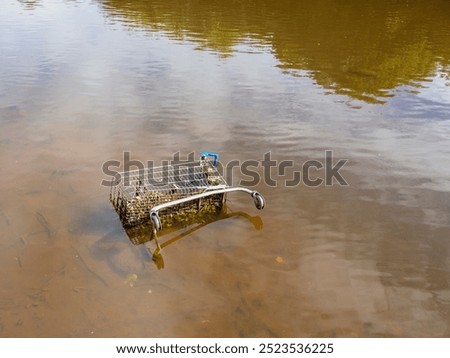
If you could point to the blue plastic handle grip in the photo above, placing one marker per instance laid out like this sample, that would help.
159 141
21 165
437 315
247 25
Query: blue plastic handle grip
210 154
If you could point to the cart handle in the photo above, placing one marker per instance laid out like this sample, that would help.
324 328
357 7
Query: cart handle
210 154
257 197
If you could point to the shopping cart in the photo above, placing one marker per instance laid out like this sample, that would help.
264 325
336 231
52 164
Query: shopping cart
172 194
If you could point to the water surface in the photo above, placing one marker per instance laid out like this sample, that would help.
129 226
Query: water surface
83 81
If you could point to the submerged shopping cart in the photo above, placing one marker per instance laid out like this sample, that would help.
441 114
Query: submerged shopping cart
173 194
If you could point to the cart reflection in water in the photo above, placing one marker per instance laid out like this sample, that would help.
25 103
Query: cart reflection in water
155 242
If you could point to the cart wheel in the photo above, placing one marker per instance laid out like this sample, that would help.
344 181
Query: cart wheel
259 200
155 220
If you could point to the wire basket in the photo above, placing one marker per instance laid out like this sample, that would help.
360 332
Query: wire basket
171 194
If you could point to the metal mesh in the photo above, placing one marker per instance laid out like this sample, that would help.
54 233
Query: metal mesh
133 193
172 221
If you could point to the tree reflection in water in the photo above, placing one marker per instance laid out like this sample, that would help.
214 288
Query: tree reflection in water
360 49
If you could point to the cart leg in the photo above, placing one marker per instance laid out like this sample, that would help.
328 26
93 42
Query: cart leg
158 246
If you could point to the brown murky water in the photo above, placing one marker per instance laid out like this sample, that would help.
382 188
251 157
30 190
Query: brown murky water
83 81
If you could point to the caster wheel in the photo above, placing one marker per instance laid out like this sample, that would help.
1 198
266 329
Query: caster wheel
155 221
259 200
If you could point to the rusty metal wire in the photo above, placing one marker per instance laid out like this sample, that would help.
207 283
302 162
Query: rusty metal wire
134 193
